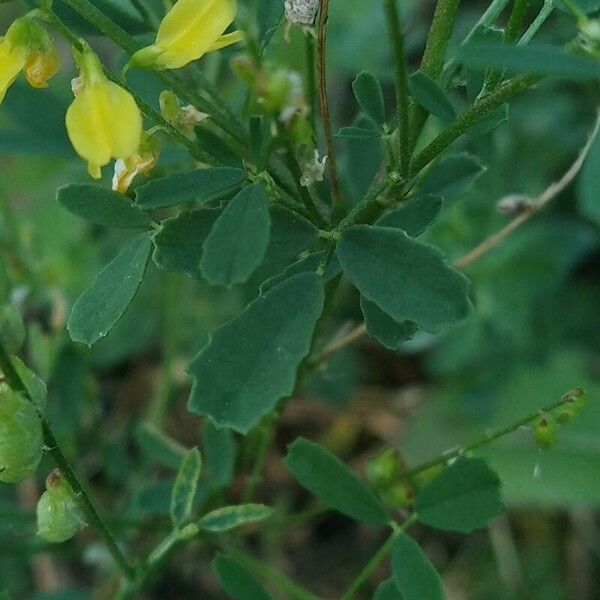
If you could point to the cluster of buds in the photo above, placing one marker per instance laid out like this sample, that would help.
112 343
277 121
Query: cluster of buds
547 423
188 31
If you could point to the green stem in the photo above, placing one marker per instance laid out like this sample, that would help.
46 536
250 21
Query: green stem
170 335
311 80
464 122
86 505
378 558
401 81
545 12
266 435
484 440
516 20
293 590
432 63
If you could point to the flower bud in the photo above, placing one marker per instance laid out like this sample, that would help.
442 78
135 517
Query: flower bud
21 438
58 516
143 161
183 118
574 402
545 430
26 46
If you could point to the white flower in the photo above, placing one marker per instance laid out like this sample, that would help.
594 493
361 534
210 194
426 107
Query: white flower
313 170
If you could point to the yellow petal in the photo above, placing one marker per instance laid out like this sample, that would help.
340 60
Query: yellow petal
191 28
227 40
12 60
104 122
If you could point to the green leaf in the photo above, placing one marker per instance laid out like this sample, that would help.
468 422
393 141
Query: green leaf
184 490
383 328
357 133
406 279
291 234
238 582
368 94
308 264
589 184
414 216
12 328
101 307
35 386
239 239
201 185
159 447
101 206
464 497
414 575
178 245
387 591
428 94
533 60
230 517
269 14
251 362
330 480
219 452
453 176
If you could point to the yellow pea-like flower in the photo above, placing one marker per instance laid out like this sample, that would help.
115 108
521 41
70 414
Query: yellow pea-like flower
26 47
189 30
104 121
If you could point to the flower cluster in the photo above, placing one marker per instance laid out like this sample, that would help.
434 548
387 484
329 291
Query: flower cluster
104 122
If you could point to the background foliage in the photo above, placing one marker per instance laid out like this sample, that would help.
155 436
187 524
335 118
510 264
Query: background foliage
535 335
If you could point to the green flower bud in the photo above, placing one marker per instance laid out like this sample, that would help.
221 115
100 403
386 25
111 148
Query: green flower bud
21 438
574 402
58 516
384 469
545 431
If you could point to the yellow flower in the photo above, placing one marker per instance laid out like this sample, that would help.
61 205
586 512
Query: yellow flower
189 30
104 121
26 46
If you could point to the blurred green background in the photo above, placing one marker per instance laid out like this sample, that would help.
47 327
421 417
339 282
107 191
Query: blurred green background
535 335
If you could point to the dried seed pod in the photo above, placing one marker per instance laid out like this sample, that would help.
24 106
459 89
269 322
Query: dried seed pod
21 438
514 204
58 516
302 12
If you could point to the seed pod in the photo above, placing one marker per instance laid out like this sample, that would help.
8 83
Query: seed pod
301 12
545 430
21 437
58 517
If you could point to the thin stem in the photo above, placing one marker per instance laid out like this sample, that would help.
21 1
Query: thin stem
83 499
484 440
516 20
537 205
266 435
378 558
545 12
324 102
401 81
311 80
432 62
464 122
293 590
170 334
